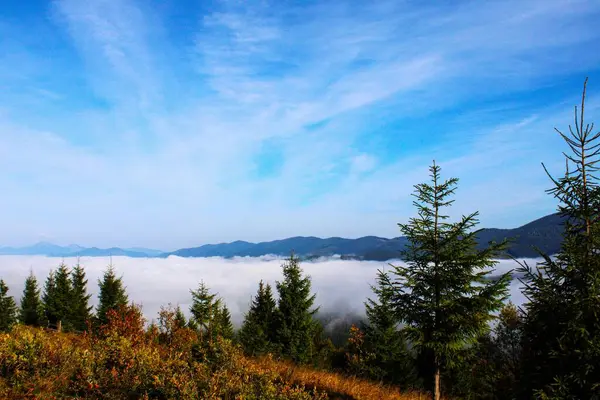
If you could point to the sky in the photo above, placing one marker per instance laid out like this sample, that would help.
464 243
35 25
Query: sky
175 123
154 283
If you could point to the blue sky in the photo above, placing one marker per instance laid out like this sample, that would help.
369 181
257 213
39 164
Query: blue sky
173 123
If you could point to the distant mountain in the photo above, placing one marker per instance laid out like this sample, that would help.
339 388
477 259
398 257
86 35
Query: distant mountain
52 250
543 233
143 250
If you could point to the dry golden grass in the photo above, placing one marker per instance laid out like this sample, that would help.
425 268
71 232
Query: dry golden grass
338 386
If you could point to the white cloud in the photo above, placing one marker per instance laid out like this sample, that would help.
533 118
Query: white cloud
341 286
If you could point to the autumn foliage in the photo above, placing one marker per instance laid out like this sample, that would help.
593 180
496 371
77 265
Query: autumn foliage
122 359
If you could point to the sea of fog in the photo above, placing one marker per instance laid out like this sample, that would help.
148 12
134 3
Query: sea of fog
341 286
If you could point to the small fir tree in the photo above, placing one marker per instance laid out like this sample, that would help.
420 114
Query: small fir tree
442 294
49 300
180 319
31 310
391 362
225 325
112 294
294 323
206 311
8 309
80 308
257 331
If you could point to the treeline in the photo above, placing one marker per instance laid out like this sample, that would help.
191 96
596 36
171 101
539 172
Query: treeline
64 303
439 322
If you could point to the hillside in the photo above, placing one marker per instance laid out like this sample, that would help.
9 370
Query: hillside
543 233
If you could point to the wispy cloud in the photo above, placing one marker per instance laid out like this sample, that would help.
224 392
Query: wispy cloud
260 120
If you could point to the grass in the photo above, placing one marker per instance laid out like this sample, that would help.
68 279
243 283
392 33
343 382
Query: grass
336 385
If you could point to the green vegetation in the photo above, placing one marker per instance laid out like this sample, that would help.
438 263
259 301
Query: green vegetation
441 294
257 334
81 311
8 309
31 310
112 294
436 326
294 324
561 333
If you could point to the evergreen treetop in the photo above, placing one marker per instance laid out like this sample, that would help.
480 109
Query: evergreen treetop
31 309
225 325
180 319
294 321
257 331
63 296
206 310
112 295
80 308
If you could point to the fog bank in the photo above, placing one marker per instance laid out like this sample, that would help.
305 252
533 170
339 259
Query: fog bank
341 286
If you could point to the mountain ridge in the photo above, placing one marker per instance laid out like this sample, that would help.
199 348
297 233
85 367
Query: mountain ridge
543 233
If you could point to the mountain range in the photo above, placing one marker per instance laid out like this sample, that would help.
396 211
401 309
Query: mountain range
544 233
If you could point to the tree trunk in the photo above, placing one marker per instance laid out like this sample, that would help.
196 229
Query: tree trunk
59 326
437 386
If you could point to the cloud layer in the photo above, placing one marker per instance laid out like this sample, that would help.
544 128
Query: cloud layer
341 286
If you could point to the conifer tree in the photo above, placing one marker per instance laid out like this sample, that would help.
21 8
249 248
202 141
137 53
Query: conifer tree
257 331
561 330
391 361
63 296
180 319
31 309
206 311
294 323
442 294
112 294
225 325
8 309
80 308
49 299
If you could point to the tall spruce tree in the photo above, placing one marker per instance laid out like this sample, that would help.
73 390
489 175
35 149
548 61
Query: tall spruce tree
8 309
384 340
294 322
80 308
561 332
442 294
112 294
31 309
257 331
